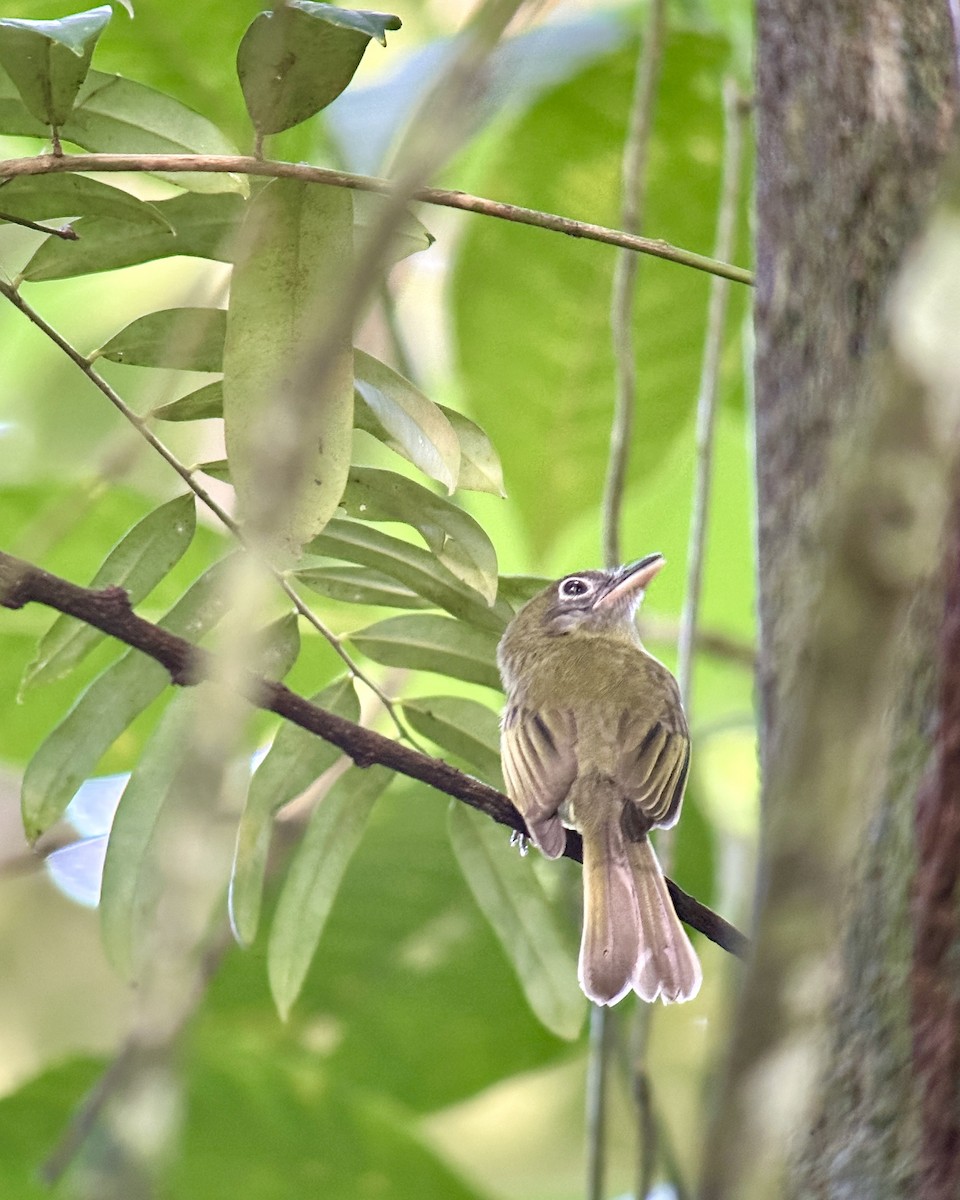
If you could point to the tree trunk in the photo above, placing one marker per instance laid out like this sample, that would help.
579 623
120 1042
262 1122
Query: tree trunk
855 110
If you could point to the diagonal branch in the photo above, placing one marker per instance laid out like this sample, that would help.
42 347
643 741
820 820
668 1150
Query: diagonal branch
46 164
109 611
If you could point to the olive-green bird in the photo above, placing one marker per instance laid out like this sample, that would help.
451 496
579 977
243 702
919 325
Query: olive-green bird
594 737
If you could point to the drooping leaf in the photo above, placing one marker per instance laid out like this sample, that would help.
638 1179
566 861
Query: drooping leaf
298 57
188 339
196 224
453 535
359 585
132 878
203 404
42 197
413 566
400 415
137 563
463 727
431 643
314 876
526 924
480 469
295 759
49 60
111 702
284 295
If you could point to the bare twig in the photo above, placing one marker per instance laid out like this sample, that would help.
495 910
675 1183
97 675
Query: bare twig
66 232
46 164
109 611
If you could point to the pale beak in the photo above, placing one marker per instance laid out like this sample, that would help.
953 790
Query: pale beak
630 581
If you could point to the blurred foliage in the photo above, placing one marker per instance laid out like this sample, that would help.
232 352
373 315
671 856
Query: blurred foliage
418 998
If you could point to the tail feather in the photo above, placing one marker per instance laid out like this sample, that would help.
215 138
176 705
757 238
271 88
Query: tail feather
632 936
667 964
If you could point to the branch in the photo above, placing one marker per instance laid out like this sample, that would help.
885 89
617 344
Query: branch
109 611
47 164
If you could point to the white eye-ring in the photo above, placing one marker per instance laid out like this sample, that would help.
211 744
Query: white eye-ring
574 586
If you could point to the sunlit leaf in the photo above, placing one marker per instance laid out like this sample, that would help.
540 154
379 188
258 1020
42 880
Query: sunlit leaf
189 339
284 295
514 902
453 535
480 469
413 566
298 57
431 643
111 702
314 876
359 585
295 759
136 564
49 60
463 727
401 416
203 404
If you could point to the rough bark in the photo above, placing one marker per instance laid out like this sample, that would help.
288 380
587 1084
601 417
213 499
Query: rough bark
855 109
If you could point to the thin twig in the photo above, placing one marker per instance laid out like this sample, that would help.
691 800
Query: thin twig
109 611
46 164
66 232
734 119
188 475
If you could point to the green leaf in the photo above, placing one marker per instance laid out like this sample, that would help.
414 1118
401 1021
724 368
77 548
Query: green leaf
198 225
359 585
42 197
203 404
516 590
217 468
295 759
431 643
136 564
314 877
70 753
113 115
480 469
411 565
187 339
410 237
294 60
555 359
462 726
514 902
453 536
49 60
402 417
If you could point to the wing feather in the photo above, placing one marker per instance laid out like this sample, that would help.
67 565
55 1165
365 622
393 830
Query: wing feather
538 751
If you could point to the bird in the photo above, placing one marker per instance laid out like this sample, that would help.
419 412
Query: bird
593 737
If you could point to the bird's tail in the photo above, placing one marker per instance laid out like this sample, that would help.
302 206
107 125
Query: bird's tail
632 936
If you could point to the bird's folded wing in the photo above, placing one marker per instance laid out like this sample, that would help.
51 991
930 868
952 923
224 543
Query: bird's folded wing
653 768
539 755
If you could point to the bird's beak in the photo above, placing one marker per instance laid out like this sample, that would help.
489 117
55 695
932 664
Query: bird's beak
629 582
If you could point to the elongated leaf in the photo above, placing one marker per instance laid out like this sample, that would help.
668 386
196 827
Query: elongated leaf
132 875
359 585
49 60
284 295
411 565
480 469
198 225
430 643
41 197
111 702
293 762
462 726
516 590
217 468
453 536
314 877
137 563
117 116
295 59
513 901
189 339
204 403
401 416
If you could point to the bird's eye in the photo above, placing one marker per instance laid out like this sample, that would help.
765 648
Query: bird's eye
574 587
